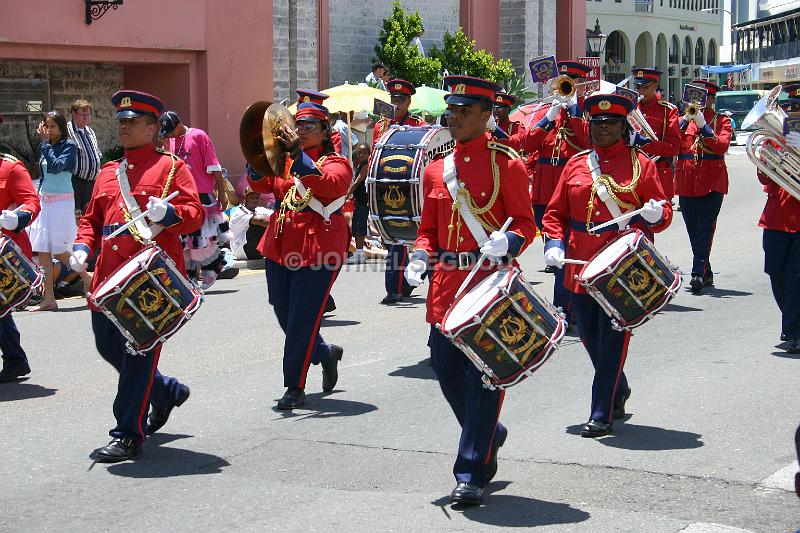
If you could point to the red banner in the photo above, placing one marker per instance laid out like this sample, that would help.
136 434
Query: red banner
594 74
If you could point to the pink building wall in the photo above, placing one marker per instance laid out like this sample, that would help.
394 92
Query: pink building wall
207 59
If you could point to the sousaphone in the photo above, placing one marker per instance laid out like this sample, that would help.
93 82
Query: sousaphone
258 136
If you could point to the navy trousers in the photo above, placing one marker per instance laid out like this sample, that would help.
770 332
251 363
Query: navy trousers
560 293
700 216
140 382
298 297
477 408
607 349
396 261
14 357
782 263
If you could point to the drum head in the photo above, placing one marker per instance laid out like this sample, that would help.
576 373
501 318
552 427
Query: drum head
609 255
124 272
474 301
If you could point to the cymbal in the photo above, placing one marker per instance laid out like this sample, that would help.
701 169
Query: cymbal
275 116
250 138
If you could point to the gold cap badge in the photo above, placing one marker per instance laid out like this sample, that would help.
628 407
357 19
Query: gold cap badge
460 89
640 74
604 105
306 99
398 86
499 99
125 102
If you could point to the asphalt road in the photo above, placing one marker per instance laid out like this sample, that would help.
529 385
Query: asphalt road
708 445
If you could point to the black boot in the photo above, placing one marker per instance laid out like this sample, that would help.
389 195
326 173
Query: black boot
159 417
293 398
467 494
119 449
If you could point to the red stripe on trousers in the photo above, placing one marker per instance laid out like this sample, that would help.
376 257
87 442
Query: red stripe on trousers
310 347
619 372
491 443
146 399
402 271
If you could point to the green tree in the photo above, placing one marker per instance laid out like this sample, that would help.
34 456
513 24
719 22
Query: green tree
393 48
460 55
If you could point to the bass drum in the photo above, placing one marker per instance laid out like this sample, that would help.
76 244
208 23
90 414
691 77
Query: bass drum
394 182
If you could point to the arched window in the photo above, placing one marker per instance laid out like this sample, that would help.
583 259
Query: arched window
699 51
686 58
712 52
674 50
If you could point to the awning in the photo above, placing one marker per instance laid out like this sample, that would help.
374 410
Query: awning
724 69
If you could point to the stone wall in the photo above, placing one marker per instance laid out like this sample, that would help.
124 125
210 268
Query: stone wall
67 82
540 37
354 29
295 46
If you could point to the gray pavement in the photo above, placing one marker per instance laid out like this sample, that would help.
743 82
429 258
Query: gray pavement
708 445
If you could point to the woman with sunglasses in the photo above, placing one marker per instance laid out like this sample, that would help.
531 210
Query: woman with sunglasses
632 181
305 246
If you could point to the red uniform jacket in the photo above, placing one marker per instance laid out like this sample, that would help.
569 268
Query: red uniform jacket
147 174
663 118
382 125
542 149
571 199
708 172
336 141
16 189
782 210
304 239
476 175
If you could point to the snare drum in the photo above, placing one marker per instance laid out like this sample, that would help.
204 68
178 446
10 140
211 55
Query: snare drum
19 277
147 298
630 280
504 327
394 181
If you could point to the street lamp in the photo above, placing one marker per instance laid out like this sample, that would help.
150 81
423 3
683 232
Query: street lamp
595 39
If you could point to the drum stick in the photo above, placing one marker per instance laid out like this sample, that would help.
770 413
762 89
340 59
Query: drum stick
136 219
575 262
625 216
478 264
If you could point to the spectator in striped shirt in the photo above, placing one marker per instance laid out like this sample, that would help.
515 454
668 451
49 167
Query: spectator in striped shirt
89 154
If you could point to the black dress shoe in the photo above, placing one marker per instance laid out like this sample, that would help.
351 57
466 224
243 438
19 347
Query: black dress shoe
793 346
119 449
13 374
595 428
406 292
228 273
467 494
293 398
330 372
696 284
159 417
619 404
491 467
784 338
391 299
550 269
708 281
330 305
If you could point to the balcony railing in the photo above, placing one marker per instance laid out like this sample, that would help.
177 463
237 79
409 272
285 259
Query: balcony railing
643 6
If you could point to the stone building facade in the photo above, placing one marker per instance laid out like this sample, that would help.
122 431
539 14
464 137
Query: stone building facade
295 30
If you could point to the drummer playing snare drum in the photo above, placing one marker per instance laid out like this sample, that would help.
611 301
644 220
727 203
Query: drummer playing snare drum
490 182
596 186
148 175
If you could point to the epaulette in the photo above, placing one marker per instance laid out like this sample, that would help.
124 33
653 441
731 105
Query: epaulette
507 150
163 151
667 103
8 157
584 152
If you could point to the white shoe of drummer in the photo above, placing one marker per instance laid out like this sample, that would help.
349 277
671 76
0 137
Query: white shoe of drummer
207 279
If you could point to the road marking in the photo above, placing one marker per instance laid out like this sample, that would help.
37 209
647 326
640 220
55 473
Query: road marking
705 527
783 479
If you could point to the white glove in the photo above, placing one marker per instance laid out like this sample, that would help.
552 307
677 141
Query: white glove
77 261
496 247
699 119
156 209
793 139
652 211
9 220
554 111
554 257
573 100
414 271
491 124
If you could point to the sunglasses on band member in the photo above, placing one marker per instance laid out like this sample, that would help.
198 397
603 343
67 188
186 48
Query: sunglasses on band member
305 126
398 97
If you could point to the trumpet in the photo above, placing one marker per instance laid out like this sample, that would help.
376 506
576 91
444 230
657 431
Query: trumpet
693 108
563 86
640 125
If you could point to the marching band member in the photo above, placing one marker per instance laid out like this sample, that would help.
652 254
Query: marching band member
400 92
305 246
701 181
20 205
781 222
663 118
136 183
491 182
626 179
558 133
502 107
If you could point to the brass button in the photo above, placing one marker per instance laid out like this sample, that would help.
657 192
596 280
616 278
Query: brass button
130 165
467 159
461 239
115 247
483 194
597 213
461 184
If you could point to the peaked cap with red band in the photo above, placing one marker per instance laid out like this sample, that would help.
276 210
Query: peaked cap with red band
466 90
645 76
311 111
793 90
304 95
504 99
132 104
573 69
713 88
399 86
607 106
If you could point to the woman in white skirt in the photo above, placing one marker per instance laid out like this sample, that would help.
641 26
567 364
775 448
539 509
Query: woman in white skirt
54 231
